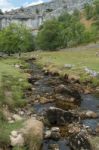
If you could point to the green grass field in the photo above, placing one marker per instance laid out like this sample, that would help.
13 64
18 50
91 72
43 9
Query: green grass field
78 58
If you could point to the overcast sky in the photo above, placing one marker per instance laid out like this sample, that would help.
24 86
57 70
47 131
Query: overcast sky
12 4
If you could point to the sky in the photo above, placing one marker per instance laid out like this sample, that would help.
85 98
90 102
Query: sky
12 4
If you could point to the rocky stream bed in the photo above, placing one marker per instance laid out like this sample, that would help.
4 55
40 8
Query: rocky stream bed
70 117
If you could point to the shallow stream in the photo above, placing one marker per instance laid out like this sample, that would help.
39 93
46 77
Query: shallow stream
43 88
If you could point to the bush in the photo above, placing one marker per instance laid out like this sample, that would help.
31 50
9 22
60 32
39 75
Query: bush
16 38
67 31
49 36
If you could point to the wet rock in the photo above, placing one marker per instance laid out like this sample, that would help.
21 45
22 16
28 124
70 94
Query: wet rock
53 147
87 91
33 79
88 114
55 129
55 136
63 89
66 103
58 116
36 83
74 128
44 100
47 134
91 114
79 141
55 133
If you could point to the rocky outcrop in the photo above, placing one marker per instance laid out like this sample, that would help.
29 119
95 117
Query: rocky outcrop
34 16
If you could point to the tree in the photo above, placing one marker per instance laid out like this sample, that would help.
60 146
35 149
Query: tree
96 3
16 38
48 37
76 14
89 11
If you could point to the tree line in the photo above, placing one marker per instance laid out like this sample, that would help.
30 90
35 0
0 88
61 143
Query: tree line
62 32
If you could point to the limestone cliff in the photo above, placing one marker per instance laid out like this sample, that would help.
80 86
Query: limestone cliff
33 16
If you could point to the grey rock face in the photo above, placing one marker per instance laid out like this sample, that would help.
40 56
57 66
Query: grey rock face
34 16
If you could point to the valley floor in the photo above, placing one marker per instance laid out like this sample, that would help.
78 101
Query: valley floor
28 87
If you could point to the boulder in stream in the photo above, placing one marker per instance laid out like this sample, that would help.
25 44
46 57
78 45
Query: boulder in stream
68 91
60 117
67 97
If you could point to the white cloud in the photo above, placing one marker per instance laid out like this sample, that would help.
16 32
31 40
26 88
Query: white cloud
6 5
33 3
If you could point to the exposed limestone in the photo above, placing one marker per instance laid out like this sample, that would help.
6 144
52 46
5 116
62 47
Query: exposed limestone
34 16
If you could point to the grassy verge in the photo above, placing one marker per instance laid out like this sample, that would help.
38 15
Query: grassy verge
80 58
12 83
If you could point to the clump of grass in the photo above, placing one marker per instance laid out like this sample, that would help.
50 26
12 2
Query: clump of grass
33 142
